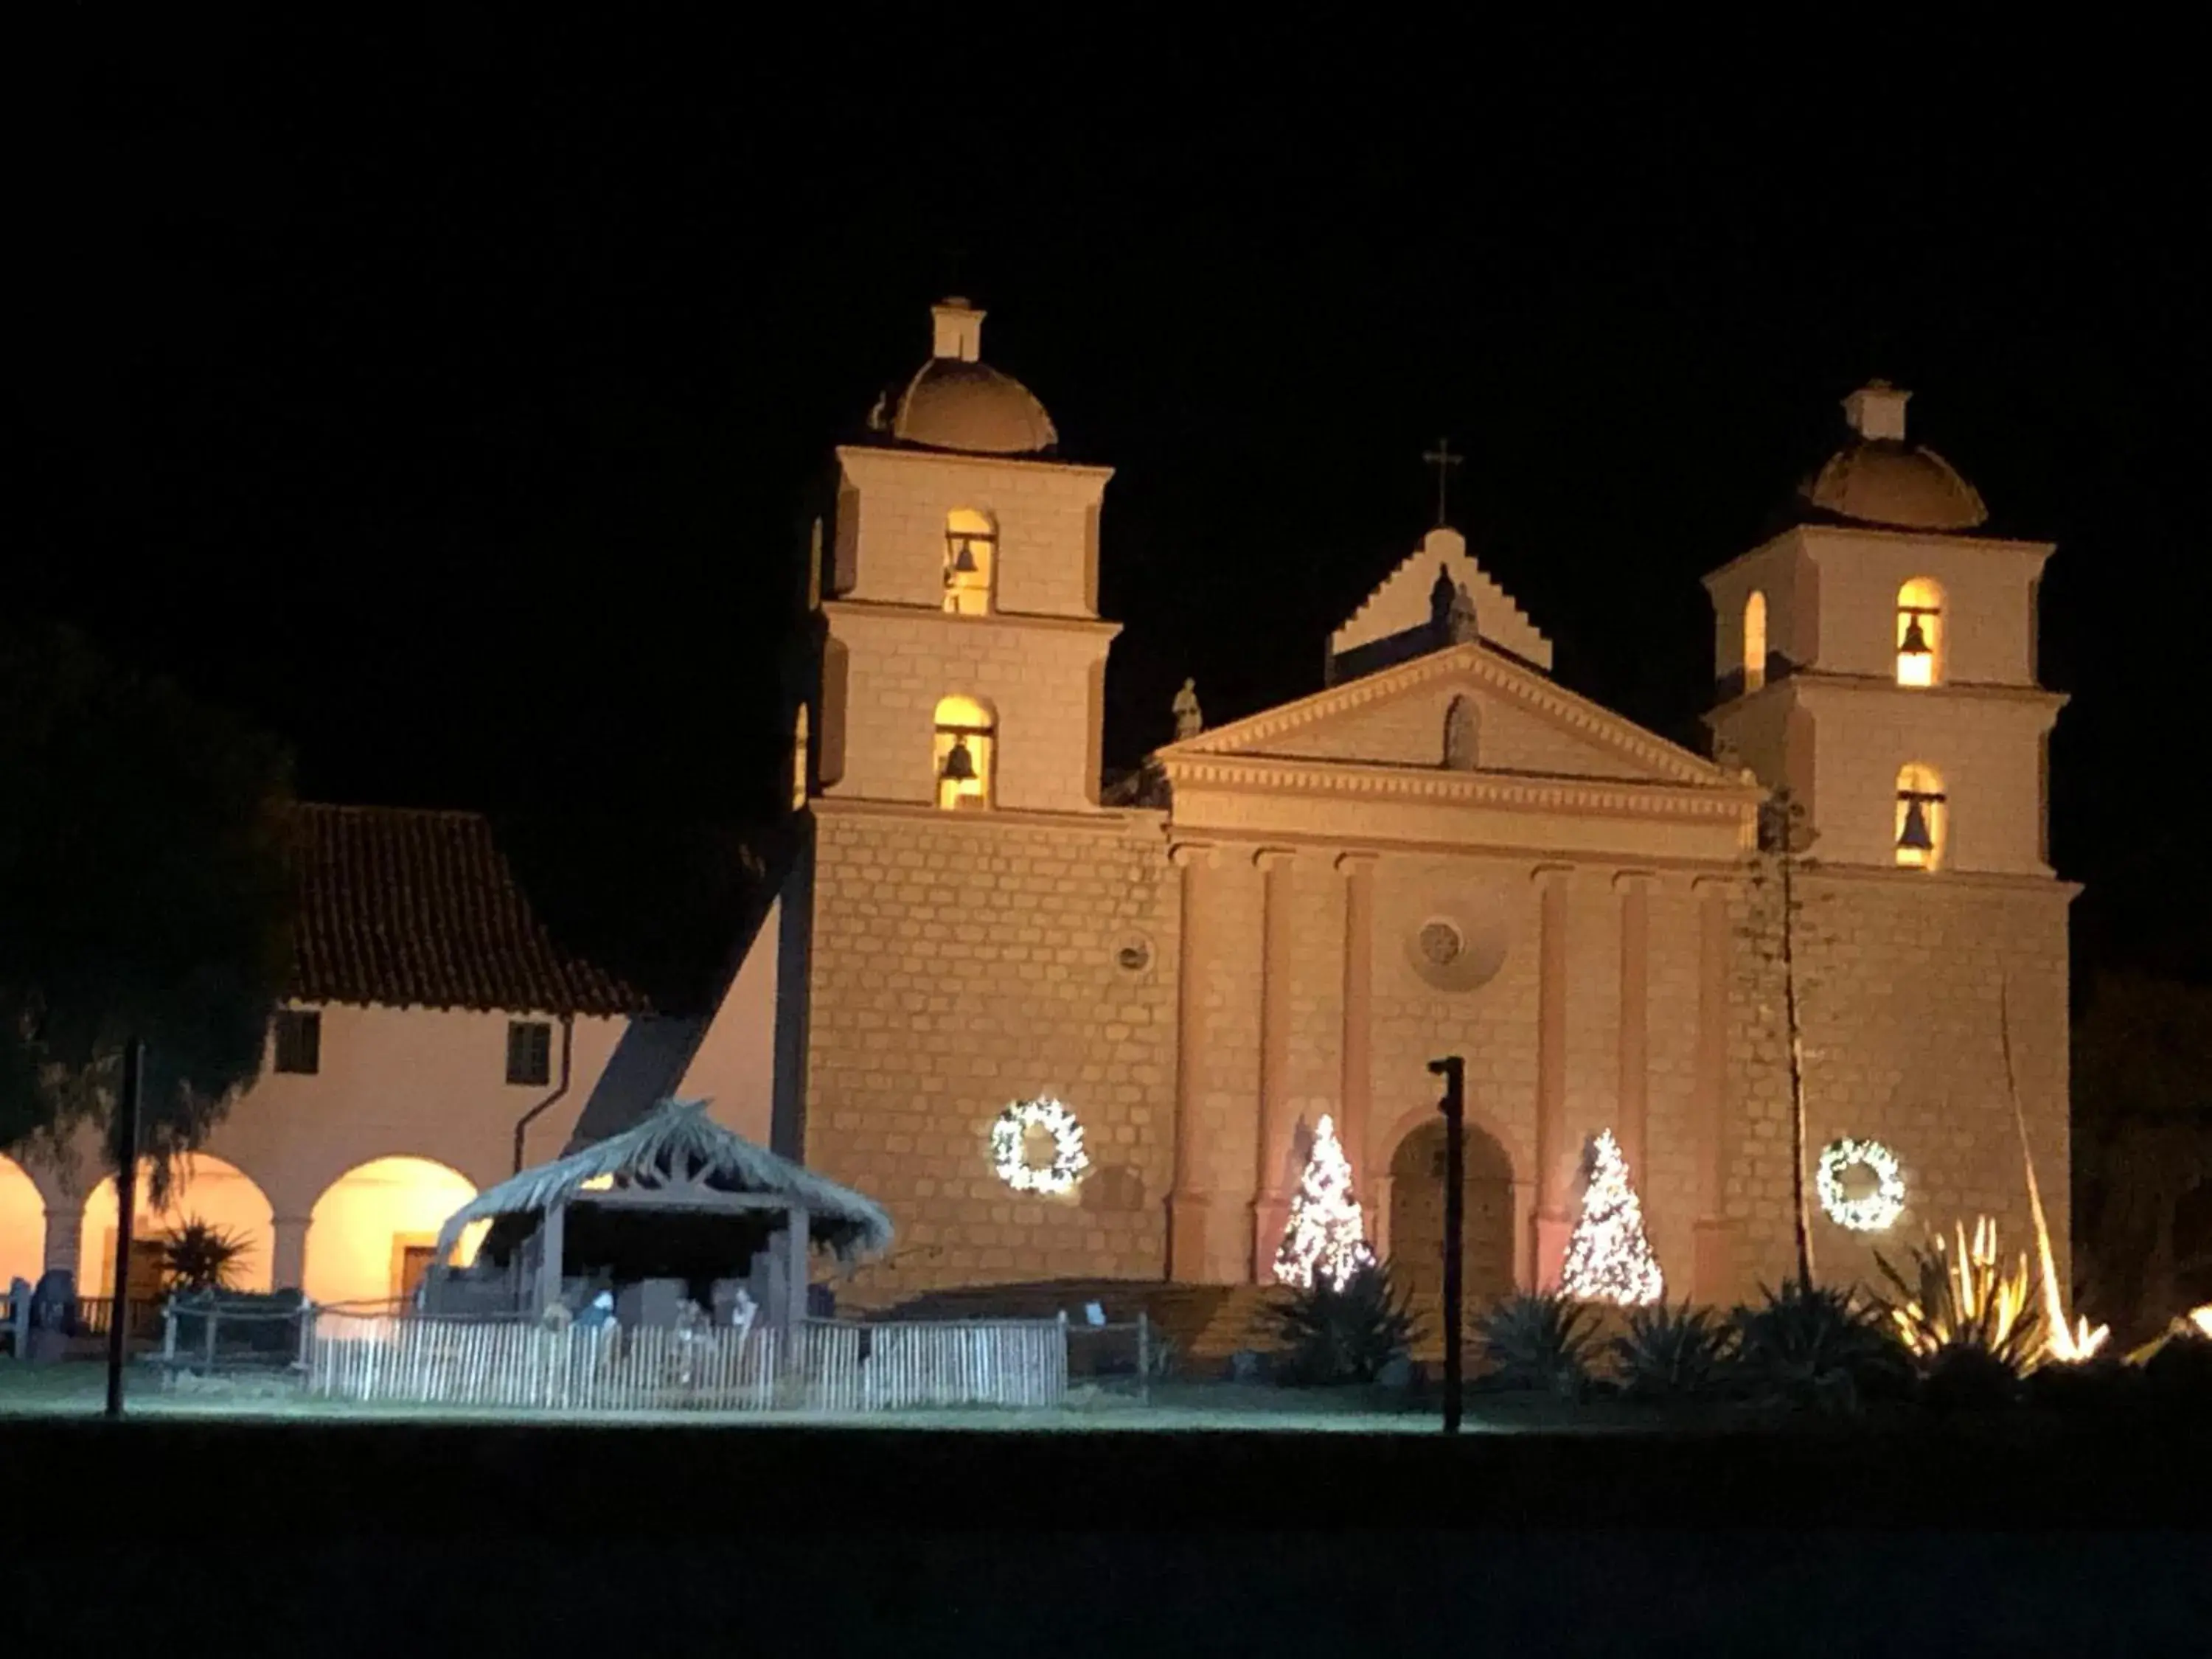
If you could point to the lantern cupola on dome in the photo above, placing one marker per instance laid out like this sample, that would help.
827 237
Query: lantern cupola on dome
1880 478
957 402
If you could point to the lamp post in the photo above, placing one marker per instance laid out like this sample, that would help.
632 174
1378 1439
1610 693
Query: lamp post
1452 1068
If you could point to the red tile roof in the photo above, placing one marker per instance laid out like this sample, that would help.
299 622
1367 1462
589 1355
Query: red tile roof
407 907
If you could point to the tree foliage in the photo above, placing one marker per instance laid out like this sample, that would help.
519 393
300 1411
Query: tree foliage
2142 1146
145 890
199 1255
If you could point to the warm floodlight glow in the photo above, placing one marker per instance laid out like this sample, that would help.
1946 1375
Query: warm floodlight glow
22 1225
207 1189
1964 1297
1919 633
374 1233
1754 641
965 753
799 740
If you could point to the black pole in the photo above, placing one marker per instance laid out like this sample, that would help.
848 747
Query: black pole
126 1203
1453 1069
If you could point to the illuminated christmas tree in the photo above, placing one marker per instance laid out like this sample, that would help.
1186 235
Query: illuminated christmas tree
1325 1234
1608 1258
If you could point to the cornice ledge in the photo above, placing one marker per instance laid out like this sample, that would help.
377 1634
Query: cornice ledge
1658 798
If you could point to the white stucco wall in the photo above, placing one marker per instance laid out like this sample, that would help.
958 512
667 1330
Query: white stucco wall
734 1065
420 1083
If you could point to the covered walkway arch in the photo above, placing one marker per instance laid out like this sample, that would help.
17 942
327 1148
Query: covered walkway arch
206 1190
22 1225
374 1231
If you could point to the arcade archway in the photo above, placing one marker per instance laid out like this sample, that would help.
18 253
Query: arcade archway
205 1188
23 1226
373 1232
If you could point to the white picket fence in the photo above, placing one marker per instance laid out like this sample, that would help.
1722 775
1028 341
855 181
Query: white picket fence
839 1367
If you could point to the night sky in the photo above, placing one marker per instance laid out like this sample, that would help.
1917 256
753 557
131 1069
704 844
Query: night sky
448 401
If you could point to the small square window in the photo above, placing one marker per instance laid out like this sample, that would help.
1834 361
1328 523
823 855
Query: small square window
299 1034
529 1051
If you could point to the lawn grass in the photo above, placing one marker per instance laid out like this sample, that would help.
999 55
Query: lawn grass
79 1388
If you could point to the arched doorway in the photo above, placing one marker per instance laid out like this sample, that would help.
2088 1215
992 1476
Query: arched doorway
1417 1216
23 1226
205 1189
373 1232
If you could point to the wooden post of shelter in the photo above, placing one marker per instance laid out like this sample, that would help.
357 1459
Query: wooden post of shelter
795 1274
552 1255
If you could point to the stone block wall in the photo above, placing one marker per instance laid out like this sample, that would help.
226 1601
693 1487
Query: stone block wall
1041 681
1987 750
1987 612
1900 986
893 504
960 964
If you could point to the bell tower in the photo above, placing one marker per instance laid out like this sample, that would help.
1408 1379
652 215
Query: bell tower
964 663
1878 658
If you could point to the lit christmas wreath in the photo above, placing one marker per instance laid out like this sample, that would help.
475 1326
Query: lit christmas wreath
1010 1141
1871 1211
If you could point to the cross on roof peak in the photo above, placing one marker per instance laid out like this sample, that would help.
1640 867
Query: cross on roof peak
1443 460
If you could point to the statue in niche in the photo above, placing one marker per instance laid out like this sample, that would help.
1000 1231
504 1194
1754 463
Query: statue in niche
1189 719
1462 722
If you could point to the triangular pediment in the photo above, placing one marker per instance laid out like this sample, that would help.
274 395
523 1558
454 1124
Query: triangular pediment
1517 722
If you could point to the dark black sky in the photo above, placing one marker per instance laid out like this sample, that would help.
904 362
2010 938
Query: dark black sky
447 399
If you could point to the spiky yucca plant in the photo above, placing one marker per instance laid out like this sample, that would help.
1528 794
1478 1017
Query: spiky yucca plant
1670 1353
1962 1316
1344 1333
1810 1345
1537 1343
198 1256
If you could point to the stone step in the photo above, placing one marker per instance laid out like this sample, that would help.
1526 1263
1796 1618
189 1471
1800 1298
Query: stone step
1207 1324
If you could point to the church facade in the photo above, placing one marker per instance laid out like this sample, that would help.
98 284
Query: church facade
1442 850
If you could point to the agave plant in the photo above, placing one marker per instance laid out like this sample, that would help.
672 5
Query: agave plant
1537 1343
1810 1345
1346 1332
1669 1354
1963 1303
198 1256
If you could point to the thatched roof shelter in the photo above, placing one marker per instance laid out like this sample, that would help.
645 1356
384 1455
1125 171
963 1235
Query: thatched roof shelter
678 1159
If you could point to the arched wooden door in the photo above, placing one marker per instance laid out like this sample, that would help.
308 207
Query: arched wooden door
1417 1216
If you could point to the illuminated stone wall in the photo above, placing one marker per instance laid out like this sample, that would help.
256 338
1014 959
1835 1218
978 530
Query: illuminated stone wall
962 963
1901 982
1040 680
1038 659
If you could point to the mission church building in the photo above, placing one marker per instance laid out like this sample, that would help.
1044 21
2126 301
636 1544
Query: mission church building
1442 850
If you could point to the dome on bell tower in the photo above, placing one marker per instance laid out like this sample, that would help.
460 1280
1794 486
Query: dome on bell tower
1879 479
956 401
